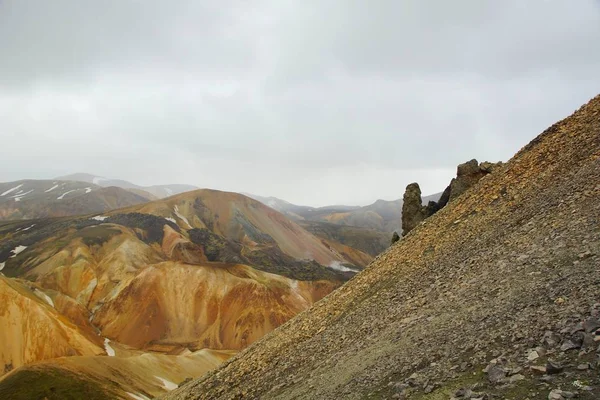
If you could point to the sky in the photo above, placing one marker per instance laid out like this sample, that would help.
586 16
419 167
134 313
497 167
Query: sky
317 102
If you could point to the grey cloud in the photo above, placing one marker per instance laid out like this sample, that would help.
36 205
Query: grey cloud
309 101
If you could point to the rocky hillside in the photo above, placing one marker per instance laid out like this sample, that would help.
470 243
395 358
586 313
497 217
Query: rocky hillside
496 295
31 199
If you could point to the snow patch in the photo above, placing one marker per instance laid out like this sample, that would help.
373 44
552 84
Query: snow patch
138 396
62 196
336 265
184 219
18 196
28 228
2 266
44 297
88 189
11 190
17 250
51 189
171 219
99 218
167 384
109 350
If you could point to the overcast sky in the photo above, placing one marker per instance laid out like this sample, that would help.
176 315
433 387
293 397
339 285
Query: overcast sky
316 102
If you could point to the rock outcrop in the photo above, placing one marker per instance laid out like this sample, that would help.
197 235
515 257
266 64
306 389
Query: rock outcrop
413 212
467 175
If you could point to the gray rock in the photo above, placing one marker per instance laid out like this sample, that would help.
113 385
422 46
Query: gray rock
516 378
553 368
591 324
569 345
496 374
551 339
583 367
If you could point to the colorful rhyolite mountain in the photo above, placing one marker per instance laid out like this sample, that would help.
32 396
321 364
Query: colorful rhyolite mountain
174 277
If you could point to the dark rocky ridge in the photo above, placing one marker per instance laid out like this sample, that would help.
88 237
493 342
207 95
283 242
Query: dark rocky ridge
467 175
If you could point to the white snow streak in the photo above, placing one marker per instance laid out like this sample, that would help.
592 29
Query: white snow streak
17 250
51 189
167 384
109 350
62 196
336 265
2 266
184 219
99 218
18 196
88 189
11 190
171 219
138 396
28 228
44 297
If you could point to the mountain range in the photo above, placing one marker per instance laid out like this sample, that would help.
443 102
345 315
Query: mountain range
151 192
383 215
191 278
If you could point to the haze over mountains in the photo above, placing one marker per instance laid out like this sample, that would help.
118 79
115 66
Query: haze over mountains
155 191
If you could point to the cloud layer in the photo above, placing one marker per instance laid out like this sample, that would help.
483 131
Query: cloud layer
317 102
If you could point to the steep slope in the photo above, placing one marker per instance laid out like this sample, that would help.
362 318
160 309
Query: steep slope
33 329
157 191
508 267
31 199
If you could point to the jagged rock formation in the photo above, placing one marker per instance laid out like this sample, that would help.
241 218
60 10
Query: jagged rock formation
507 269
413 212
467 175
